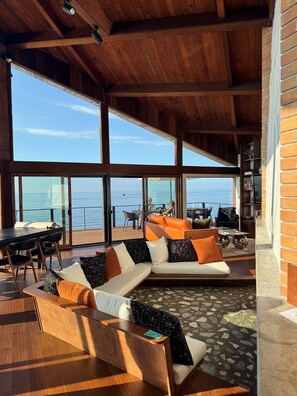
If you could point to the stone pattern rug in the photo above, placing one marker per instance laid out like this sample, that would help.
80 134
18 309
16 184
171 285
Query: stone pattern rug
223 317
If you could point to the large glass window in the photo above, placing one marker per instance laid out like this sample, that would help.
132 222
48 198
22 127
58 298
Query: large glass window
52 125
192 158
131 144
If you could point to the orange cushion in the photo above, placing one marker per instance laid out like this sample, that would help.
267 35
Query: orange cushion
76 292
112 265
207 250
178 223
158 219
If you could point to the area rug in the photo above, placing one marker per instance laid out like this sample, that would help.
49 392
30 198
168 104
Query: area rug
223 317
232 251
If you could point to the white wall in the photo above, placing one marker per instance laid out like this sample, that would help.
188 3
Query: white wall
273 136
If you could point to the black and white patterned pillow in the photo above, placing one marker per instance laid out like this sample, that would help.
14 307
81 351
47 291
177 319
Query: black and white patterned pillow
138 250
94 269
50 282
165 324
181 250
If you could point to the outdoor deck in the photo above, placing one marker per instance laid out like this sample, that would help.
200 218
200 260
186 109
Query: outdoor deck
84 237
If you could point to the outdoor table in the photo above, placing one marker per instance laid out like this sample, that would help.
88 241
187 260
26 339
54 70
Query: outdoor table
238 238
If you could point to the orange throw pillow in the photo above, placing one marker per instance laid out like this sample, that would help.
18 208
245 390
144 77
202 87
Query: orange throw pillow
112 265
178 223
207 250
76 292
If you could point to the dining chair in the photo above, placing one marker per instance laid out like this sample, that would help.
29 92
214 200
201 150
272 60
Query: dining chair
48 246
130 216
19 255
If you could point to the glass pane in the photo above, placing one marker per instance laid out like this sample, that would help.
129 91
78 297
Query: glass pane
210 194
44 199
50 124
161 195
87 210
131 144
126 206
192 158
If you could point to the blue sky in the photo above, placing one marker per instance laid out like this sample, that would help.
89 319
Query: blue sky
52 125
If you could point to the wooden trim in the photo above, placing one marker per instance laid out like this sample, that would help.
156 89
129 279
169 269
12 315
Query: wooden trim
184 89
104 134
77 169
221 10
220 129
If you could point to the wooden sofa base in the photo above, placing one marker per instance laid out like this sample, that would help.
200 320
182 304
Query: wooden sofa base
116 341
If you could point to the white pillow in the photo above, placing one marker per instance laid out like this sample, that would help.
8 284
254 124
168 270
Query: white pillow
74 273
113 305
158 251
125 260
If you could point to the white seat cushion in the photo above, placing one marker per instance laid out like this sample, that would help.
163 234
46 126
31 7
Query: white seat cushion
126 281
192 268
198 351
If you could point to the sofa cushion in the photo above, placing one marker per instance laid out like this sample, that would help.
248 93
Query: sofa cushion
178 223
198 351
94 269
138 250
50 282
127 281
74 273
199 224
158 219
207 250
114 305
112 265
165 324
181 250
158 251
219 268
76 292
124 257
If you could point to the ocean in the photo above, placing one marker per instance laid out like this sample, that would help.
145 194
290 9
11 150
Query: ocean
87 207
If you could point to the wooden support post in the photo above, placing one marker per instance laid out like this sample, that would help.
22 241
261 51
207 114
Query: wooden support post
5 140
104 131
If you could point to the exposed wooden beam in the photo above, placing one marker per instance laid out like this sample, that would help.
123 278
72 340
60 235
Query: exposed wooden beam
35 40
221 10
216 88
220 129
52 19
237 19
92 13
49 15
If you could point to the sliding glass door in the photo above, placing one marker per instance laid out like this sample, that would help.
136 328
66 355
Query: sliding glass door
43 198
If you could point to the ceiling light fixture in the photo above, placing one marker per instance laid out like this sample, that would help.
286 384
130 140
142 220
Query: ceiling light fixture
96 36
67 8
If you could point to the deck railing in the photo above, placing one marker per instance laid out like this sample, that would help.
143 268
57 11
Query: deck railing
91 217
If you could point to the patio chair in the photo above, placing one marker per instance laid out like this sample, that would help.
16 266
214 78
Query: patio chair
19 255
227 217
130 216
48 246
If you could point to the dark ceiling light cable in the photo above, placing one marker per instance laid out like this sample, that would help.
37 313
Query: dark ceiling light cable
67 8
96 36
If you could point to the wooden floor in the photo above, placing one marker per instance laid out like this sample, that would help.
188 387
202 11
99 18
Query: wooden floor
35 363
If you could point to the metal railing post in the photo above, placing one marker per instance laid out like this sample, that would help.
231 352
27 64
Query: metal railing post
113 216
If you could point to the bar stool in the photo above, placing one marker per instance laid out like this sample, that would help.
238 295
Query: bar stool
18 255
48 246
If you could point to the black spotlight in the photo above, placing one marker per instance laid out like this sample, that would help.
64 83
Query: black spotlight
96 36
67 8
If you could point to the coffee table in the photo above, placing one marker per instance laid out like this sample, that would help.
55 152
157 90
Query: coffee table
238 238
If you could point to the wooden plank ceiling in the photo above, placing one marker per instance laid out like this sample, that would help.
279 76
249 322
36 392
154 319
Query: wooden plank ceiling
196 62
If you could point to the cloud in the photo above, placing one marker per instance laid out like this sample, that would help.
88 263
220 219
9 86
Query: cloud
63 134
138 140
79 108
